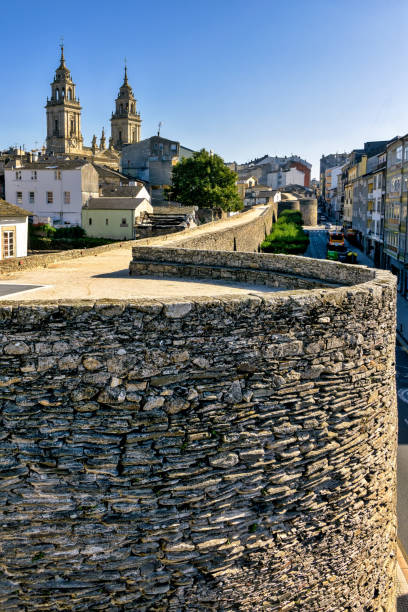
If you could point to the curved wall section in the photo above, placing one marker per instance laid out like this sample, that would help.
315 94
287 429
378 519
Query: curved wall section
232 454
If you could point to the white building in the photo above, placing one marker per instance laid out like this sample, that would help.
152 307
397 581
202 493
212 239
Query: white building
282 178
55 190
13 230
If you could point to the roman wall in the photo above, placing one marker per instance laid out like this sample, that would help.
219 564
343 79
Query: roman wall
307 207
245 236
202 454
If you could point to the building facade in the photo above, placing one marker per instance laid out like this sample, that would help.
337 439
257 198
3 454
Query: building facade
275 172
152 160
53 193
115 217
395 222
13 230
329 161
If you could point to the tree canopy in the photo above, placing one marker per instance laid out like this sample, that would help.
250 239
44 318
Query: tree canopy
204 180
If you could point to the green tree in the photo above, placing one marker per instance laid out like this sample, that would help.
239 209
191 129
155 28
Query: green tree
204 180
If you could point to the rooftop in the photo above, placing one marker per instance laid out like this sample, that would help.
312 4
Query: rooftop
10 210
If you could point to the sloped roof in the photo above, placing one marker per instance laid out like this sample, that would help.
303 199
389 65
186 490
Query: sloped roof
115 203
11 210
106 171
51 164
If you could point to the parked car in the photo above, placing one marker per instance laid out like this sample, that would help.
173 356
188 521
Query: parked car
341 253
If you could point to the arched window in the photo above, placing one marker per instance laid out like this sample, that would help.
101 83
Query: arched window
62 93
69 94
127 106
133 107
121 108
57 94
120 136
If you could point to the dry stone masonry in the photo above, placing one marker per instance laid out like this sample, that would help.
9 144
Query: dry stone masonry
233 454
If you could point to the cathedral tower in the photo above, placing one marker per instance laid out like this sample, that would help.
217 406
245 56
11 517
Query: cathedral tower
63 113
125 122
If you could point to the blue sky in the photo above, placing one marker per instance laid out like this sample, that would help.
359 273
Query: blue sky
305 77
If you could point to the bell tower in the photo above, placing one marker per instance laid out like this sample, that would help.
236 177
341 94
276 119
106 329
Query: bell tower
63 113
125 121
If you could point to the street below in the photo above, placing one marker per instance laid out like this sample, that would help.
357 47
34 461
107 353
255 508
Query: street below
317 249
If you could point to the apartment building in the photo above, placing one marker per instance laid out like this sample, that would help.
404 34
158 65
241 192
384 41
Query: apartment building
396 201
55 191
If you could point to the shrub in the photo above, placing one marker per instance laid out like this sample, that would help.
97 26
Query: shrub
287 235
291 216
70 232
41 229
40 243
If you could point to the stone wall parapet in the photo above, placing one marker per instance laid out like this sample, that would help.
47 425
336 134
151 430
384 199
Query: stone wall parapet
200 454
265 268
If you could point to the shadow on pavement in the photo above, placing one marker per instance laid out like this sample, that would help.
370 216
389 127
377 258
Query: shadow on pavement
402 603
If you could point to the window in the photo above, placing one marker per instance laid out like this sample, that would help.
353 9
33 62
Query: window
9 242
406 153
123 221
50 197
69 94
57 175
396 184
72 127
31 197
19 197
33 175
18 175
106 221
90 221
398 154
56 131
67 197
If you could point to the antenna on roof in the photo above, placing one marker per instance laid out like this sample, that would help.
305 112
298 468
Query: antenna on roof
160 125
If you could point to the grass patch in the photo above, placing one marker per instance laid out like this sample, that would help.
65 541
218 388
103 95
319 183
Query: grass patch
287 235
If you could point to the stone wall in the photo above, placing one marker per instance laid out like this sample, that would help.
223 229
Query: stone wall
207 454
243 237
307 207
288 271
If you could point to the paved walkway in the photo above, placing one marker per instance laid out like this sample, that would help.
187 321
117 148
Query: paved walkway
107 276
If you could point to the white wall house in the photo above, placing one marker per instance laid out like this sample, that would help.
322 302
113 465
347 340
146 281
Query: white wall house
55 191
282 178
13 230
